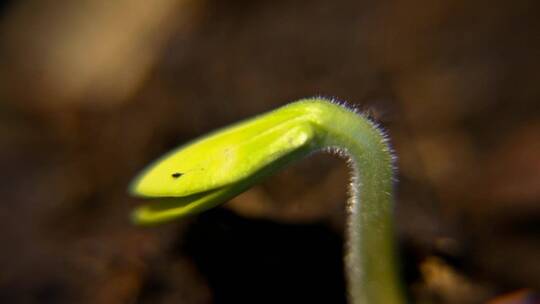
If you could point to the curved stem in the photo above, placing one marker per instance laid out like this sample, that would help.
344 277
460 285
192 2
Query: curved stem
372 270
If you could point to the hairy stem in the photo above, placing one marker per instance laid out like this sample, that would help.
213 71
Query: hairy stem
372 269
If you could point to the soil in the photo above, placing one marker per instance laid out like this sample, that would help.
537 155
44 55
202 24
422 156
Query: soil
91 92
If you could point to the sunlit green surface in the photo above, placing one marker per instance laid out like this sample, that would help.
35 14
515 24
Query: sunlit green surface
219 166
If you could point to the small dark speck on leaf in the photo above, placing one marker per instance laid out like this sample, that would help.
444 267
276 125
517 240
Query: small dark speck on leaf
177 174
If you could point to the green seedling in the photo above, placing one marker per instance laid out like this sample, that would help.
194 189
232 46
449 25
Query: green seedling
216 167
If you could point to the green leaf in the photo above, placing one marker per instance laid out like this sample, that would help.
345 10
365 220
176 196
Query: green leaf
219 166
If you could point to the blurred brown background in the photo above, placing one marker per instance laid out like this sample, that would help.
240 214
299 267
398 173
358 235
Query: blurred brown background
93 90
